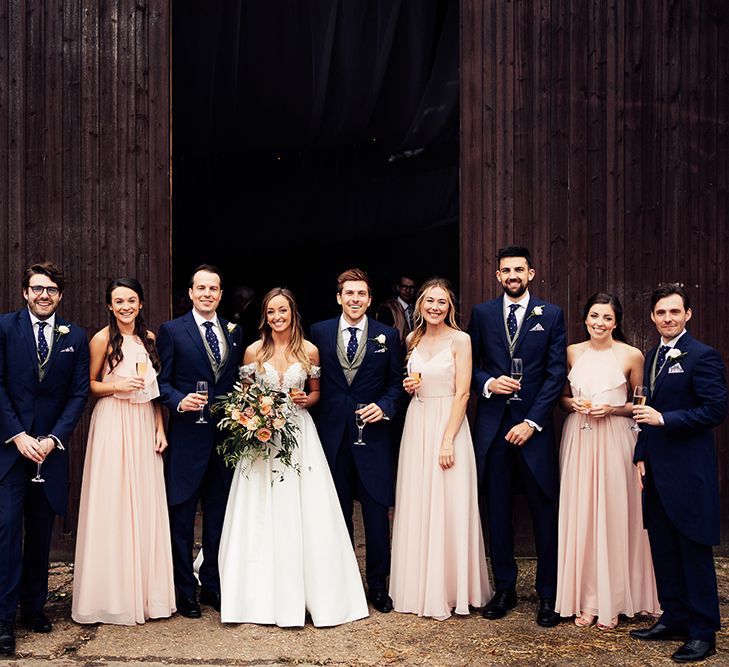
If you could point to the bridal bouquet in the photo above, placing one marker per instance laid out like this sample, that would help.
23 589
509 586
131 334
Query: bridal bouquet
257 421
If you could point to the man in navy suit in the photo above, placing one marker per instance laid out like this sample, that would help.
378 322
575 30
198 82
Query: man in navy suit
44 384
514 435
677 462
361 363
197 346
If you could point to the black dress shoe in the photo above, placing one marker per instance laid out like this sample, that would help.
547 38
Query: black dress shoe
210 599
500 604
187 606
658 632
694 650
546 616
36 622
381 601
7 638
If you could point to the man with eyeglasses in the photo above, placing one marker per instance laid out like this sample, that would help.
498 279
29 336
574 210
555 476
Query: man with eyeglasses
44 384
398 311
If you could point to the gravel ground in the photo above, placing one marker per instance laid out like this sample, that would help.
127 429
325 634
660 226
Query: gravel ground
381 639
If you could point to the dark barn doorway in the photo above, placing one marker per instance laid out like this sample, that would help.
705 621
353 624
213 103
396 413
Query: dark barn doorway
312 136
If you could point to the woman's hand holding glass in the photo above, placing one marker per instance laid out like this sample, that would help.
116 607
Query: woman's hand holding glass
131 383
411 385
299 397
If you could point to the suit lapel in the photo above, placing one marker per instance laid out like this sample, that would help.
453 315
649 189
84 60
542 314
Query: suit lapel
191 327
57 345
498 314
26 329
333 340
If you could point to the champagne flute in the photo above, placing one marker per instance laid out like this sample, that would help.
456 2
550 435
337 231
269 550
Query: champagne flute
415 375
141 368
202 389
587 402
360 423
517 370
293 392
38 479
640 397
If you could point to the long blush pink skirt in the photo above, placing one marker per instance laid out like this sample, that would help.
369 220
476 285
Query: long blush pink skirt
123 566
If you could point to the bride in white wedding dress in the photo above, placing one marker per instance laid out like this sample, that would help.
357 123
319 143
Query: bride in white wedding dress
285 548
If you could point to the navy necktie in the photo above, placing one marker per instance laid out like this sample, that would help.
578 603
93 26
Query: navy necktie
511 323
661 358
352 344
42 343
212 340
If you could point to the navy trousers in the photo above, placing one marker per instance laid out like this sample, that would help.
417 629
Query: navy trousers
213 497
507 471
685 574
375 516
26 525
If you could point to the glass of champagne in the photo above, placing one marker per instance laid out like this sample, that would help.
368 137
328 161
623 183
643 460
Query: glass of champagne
202 389
640 396
38 479
360 423
141 368
517 371
415 375
293 393
587 402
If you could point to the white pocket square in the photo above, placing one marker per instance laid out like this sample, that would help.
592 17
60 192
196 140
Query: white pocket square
68 349
676 368
537 327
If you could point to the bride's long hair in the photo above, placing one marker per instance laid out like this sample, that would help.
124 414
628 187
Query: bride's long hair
296 348
419 323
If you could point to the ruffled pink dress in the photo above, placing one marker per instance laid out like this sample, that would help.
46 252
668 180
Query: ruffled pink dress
123 564
604 560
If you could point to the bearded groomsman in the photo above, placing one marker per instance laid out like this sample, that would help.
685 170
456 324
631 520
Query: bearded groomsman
44 384
514 434
199 346
676 460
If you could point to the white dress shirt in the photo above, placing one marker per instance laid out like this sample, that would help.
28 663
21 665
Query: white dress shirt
344 328
217 330
47 331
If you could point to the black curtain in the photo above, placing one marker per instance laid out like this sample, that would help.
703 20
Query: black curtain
313 135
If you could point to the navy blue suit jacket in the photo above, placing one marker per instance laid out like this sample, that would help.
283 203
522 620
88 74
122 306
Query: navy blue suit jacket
690 392
542 346
378 380
51 406
184 362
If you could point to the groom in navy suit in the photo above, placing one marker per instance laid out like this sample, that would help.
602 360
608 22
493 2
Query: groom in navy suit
676 459
44 384
197 346
514 437
361 363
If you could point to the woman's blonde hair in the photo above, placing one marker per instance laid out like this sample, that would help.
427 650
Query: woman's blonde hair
296 348
419 323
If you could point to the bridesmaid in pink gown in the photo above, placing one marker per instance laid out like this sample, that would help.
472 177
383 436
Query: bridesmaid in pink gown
438 557
123 565
604 561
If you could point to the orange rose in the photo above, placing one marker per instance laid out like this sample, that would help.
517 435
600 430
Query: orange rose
263 434
265 409
243 420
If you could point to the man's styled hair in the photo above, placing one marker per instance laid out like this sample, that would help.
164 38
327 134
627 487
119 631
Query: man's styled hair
44 269
514 251
669 289
210 269
353 274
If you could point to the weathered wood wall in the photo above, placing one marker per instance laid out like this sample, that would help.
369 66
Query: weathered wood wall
84 155
596 133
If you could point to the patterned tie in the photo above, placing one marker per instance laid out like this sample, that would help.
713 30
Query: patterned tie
409 316
511 324
352 344
661 358
42 343
212 340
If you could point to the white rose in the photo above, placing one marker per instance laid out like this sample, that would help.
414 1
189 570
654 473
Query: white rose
380 339
231 327
538 310
673 353
63 329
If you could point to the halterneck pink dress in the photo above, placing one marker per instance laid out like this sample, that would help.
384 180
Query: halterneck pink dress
123 564
604 560
438 556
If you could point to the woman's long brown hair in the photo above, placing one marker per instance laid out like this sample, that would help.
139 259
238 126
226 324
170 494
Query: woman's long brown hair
296 348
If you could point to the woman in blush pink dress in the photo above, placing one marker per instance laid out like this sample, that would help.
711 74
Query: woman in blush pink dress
438 557
123 565
604 561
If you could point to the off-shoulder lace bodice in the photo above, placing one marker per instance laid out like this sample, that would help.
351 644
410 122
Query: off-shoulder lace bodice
293 377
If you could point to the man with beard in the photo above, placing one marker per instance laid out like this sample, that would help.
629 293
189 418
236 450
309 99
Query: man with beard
514 438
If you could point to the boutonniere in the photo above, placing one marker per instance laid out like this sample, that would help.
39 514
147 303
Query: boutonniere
380 342
674 355
231 327
62 329
537 311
